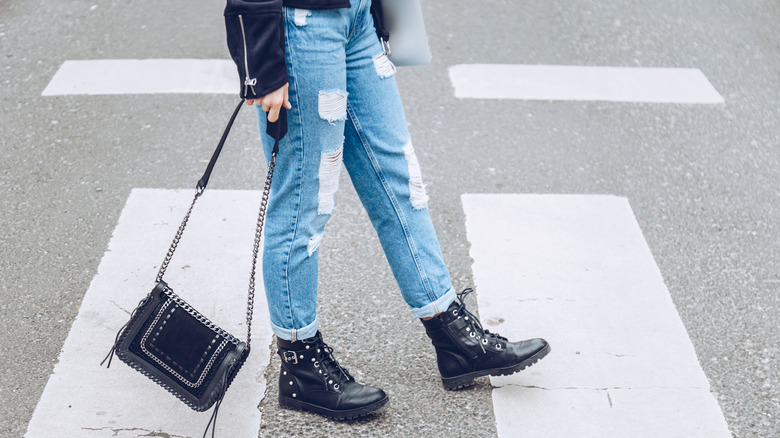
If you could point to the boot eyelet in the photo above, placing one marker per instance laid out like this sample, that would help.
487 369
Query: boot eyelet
320 371
313 359
498 346
473 334
484 341
330 382
317 365
466 318
336 386
455 312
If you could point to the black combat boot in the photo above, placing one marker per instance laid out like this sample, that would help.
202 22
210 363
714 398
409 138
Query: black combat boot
312 380
465 351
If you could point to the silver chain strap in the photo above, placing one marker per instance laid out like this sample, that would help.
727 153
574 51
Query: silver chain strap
250 305
255 251
176 238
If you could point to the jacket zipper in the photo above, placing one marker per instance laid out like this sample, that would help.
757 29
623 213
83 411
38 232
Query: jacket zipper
248 83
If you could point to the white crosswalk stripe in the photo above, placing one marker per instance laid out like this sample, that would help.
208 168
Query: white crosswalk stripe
563 82
143 76
576 270
210 270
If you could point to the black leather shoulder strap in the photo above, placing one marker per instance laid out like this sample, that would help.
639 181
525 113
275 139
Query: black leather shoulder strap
277 130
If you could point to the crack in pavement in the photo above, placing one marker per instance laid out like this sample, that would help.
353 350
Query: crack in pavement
119 307
150 433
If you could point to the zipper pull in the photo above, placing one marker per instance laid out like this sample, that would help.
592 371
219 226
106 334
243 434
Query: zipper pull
249 83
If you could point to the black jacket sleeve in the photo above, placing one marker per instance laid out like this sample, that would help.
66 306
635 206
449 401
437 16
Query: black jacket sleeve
379 20
255 38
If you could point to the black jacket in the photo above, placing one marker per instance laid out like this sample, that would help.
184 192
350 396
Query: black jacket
255 38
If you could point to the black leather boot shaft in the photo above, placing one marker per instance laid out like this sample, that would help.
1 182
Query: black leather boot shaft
465 351
311 379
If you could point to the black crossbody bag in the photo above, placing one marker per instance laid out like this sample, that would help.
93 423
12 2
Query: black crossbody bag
173 344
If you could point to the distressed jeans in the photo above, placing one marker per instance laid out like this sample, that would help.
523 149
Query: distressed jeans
345 111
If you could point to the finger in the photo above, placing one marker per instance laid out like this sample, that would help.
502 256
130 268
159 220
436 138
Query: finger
249 102
273 115
287 103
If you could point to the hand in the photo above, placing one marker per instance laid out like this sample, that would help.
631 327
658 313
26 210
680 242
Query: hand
272 102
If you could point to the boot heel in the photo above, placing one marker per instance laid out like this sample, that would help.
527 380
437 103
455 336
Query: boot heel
290 403
458 382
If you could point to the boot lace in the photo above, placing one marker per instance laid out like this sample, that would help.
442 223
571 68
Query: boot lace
331 371
484 336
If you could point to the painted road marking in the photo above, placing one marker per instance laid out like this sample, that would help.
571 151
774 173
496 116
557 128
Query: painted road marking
479 81
576 270
560 82
82 399
144 76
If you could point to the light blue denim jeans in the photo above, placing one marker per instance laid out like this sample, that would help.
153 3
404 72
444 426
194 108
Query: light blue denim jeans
345 110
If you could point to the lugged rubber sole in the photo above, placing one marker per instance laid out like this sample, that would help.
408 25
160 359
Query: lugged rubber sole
464 380
350 414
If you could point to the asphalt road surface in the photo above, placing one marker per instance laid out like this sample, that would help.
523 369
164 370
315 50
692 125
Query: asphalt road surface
703 181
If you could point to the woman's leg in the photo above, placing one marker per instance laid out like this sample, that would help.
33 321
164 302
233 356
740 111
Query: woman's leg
307 168
302 200
384 169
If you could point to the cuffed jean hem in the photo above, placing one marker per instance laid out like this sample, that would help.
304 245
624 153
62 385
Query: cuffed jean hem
435 307
296 334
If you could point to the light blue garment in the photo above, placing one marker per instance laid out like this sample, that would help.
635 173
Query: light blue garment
345 109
